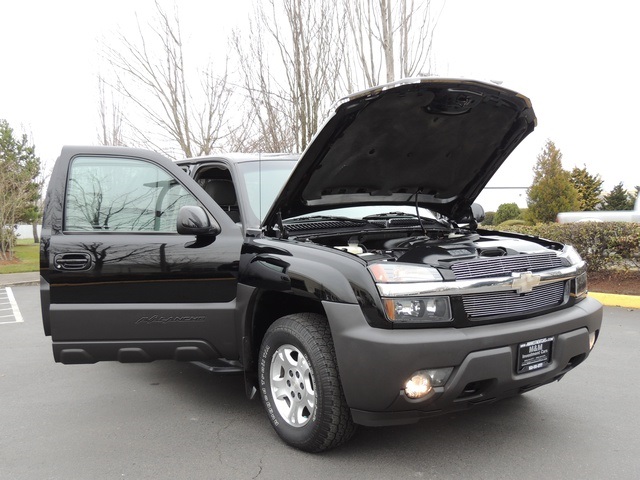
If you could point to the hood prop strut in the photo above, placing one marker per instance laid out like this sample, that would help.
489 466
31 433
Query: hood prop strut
282 232
424 230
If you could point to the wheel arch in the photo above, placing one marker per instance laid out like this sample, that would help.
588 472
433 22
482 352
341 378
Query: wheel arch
265 308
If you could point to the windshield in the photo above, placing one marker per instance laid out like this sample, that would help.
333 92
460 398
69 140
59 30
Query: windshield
263 181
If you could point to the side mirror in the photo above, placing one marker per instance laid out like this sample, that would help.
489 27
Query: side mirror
477 212
473 216
194 220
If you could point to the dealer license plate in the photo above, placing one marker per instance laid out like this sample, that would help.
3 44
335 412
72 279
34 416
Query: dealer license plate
534 355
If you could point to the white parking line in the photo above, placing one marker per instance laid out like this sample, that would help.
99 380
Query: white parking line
8 307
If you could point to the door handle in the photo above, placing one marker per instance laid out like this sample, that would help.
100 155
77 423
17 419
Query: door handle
72 261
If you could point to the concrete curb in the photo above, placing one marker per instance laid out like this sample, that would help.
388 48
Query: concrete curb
615 300
19 279
19 284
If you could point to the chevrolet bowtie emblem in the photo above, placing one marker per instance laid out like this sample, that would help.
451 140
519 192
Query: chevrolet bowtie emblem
524 282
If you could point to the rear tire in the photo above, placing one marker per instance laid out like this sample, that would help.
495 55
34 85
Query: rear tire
300 385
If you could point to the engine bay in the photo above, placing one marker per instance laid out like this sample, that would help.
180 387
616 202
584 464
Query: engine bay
438 247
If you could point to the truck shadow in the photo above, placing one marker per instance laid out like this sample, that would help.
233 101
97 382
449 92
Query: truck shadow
483 430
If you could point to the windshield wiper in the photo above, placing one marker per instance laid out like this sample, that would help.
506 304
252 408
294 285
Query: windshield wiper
397 215
315 218
391 214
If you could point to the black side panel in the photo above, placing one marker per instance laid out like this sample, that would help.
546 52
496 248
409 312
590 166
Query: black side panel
44 305
132 352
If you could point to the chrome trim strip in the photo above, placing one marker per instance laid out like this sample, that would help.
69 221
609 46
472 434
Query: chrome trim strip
476 285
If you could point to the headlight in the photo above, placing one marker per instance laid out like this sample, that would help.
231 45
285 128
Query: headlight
418 310
398 281
580 285
403 273
572 255
580 282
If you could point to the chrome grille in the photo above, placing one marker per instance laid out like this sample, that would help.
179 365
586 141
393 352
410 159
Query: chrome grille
503 266
501 303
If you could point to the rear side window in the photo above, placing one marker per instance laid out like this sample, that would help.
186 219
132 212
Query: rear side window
122 195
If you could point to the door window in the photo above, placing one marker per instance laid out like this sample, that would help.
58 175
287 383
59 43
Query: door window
122 195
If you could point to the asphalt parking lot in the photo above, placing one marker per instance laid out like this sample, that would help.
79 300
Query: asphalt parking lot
9 311
173 420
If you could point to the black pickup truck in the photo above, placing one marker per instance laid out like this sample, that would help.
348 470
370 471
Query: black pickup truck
351 285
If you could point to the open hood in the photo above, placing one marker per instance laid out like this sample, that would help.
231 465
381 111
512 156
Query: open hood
438 139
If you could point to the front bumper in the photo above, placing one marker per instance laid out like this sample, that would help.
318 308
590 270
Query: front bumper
374 363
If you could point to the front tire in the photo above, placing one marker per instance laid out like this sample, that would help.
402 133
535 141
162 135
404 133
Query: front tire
300 385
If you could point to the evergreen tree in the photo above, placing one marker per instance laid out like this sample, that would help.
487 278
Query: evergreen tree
589 188
488 218
506 211
551 191
19 188
634 195
618 199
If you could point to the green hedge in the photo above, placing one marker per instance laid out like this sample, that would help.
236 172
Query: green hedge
511 223
604 245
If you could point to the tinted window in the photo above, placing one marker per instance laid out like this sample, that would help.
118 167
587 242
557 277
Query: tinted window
264 180
122 195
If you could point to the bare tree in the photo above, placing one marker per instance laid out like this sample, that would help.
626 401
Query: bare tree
289 91
296 59
323 50
152 76
269 119
111 118
391 39
270 101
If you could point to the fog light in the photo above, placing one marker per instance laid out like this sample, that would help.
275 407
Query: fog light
423 381
418 386
592 340
439 376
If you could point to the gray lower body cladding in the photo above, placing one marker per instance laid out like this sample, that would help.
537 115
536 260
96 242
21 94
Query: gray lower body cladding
375 363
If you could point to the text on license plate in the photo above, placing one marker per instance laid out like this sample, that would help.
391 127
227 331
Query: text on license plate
534 354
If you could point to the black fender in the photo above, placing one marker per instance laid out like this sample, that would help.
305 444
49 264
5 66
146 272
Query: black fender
299 277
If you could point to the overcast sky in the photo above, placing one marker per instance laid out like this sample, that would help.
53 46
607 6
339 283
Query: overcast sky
578 62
